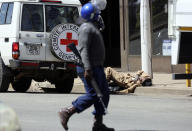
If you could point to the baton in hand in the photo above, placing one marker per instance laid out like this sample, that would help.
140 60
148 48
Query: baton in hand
73 48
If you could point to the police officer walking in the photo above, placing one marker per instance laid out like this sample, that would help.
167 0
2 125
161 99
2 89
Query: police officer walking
92 51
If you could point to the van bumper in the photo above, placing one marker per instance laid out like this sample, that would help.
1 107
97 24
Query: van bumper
18 64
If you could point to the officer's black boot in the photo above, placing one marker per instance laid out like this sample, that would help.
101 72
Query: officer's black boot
65 114
99 126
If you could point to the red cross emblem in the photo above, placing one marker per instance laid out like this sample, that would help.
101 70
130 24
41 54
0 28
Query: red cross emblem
68 40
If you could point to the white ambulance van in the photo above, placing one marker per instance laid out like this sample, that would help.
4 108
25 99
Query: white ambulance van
180 31
34 35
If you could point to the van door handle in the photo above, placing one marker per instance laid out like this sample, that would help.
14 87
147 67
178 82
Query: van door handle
38 44
39 35
6 39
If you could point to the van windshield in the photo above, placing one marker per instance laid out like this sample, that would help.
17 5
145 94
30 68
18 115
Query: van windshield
60 14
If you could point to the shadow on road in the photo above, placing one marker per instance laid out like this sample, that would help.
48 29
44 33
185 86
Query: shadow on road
42 90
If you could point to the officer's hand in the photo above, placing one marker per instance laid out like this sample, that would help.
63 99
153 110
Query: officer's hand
88 75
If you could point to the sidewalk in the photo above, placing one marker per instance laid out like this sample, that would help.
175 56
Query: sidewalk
162 85
165 85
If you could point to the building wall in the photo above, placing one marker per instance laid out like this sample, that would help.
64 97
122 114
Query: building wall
124 33
130 44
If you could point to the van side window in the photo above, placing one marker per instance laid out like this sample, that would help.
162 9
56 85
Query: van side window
6 12
32 18
9 13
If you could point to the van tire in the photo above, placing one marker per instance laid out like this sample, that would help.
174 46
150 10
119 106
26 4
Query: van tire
65 86
22 85
5 79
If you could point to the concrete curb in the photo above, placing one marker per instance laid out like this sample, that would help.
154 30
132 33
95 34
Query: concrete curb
164 91
163 84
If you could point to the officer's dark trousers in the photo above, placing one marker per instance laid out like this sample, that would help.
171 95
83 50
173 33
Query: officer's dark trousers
90 98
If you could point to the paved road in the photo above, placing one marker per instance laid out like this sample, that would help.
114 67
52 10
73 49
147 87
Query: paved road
38 112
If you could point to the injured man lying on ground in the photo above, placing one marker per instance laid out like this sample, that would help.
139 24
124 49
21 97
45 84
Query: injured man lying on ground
124 83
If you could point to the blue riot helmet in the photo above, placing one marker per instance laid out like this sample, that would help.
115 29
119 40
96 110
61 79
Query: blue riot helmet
89 12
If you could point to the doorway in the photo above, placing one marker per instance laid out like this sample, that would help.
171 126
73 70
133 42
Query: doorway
111 34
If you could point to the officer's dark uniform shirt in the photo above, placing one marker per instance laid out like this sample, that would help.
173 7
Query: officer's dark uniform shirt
91 45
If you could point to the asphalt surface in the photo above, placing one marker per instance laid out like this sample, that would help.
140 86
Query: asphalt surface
165 106
38 112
